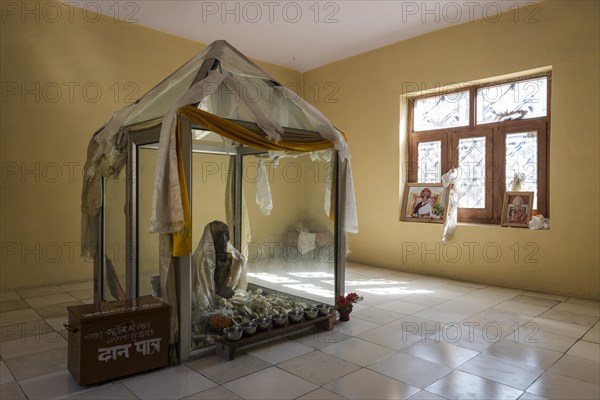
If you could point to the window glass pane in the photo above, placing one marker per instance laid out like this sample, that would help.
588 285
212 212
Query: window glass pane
516 100
430 157
521 158
441 111
471 161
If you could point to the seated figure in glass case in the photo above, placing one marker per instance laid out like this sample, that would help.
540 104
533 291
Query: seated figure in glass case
218 268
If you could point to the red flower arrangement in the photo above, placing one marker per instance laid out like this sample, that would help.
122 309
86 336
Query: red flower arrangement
344 305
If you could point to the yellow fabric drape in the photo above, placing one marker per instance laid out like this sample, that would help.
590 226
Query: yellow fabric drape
236 132
182 240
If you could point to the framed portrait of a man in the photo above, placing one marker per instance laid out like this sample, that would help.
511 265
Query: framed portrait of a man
424 202
517 208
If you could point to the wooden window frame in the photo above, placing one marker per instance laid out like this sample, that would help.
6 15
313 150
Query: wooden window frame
476 214
495 133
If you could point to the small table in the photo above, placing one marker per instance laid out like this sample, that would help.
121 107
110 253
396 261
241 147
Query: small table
227 349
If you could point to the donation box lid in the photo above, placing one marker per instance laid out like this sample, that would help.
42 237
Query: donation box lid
110 310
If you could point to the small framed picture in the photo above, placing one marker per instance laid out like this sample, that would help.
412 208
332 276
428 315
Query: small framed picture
424 202
517 209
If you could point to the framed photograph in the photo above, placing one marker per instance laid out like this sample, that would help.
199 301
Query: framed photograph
424 202
517 209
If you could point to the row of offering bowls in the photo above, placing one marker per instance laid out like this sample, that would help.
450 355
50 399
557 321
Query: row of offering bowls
249 328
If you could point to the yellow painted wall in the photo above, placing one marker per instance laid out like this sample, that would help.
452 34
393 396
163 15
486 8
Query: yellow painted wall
51 69
561 34
63 75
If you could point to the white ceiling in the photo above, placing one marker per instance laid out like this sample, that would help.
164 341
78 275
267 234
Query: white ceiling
303 34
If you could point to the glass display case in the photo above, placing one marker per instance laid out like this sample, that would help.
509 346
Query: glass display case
280 209
234 202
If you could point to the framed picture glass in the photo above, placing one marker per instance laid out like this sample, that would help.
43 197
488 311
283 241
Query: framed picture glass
517 209
424 202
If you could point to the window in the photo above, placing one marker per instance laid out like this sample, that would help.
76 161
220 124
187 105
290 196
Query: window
491 133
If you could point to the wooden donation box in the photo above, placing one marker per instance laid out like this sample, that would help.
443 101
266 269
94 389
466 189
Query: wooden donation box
110 340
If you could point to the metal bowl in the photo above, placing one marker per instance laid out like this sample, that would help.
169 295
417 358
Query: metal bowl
296 315
233 333
249 327
324 309
264 324
311 313
280 320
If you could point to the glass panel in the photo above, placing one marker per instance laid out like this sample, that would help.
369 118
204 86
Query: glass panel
291 250
442 111
430 160
211 175
516 100
114 238
147 247
471 161
521 158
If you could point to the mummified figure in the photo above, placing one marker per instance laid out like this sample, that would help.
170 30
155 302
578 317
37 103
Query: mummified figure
219 269
220 235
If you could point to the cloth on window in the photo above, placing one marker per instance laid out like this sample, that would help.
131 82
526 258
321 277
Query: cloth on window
518 182
449 179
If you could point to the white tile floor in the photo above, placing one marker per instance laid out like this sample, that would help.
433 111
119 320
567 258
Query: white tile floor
413 336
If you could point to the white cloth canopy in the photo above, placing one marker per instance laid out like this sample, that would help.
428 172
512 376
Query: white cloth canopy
221 81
